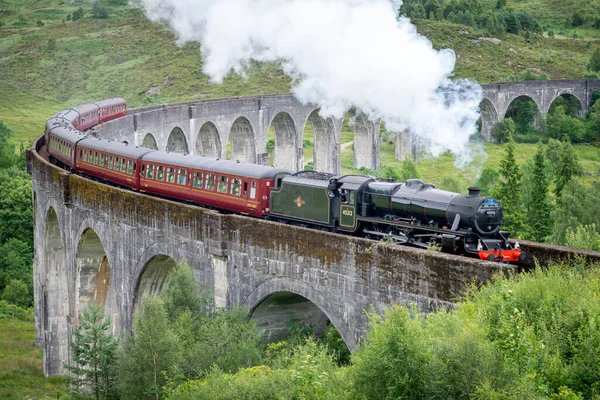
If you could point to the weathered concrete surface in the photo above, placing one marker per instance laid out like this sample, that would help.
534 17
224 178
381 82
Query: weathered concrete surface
544 254
98 242
207 126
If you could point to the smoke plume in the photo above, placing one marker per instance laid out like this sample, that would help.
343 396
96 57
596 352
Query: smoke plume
340 54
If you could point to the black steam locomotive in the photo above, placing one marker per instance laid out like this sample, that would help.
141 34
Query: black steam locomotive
410 212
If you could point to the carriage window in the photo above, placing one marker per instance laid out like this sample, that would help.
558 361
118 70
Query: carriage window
198 180
236 185
116 166
245 192
160 173
150 171
253 191
222 184
210 182
123 164
101 160
110 162
351 197
96 158
130 167
182 177
171 175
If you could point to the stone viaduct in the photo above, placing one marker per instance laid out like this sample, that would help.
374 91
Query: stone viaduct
237 128
102 243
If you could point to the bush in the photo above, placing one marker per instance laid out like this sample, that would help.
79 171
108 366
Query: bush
99 12
16 292
78 14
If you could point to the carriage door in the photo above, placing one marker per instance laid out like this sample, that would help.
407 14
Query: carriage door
348 209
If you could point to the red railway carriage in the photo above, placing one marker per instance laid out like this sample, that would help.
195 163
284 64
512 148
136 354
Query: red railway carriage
88 116
223 184
62 143
111 109
113 161
69 117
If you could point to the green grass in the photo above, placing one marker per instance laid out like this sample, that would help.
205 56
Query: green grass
21 371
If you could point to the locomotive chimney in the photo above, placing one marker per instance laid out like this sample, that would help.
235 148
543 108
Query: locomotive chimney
474 191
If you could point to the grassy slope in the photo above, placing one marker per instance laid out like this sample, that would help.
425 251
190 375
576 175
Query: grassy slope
21 372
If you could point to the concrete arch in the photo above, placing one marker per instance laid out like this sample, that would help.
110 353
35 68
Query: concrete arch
301 288
366 142
286 139
528 98
153 278
489 116
580 113
509 100
324 143
55 297
149 141
177 142
208 142
94 277
242 139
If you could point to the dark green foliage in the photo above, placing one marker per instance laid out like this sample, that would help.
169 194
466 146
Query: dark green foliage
560 125
16 266
7 152
502 130
309 166
487 181
78 14
12 312
16 217
39 23
567 168
51 44
18 293
585 237
94 353
577 19
148 354
577 206
539 206
594 64
334 342
99 12
593 124
523 111
408 171
508 191
182 295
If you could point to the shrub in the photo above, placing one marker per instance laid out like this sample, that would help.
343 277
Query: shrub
78 14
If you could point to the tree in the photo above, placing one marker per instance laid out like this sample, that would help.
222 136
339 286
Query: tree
539 207
594 64
99 12
17 293
7 152
78 14
487 181
568 167
94 352
408 171
577 206
502 130
508 190
148 354
16 217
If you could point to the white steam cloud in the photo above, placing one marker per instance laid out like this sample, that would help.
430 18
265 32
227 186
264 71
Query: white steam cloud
341 54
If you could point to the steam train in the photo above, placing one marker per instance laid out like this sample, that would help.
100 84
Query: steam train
411 212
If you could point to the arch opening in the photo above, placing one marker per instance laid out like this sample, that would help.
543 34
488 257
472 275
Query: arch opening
276 315
177 142
488 117
285 152
347 145
54 297
526 115
241 144
570 104
153 278
318 141
149 142
94 281
208 142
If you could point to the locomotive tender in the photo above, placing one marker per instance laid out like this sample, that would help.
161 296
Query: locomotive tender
410 212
